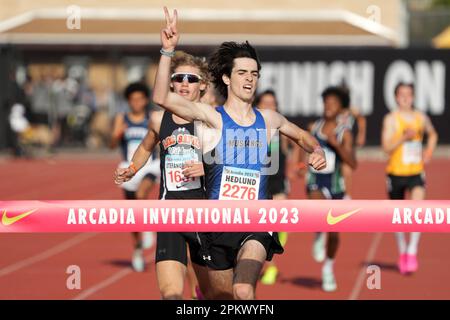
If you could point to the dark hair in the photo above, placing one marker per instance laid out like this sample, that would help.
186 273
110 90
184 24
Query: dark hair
136 87
265 92
341 93
222 60
403 84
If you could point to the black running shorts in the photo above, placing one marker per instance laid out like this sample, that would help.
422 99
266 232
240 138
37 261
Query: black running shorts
219 250
397 185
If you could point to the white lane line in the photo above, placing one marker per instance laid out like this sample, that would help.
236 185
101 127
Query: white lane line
46 254
363 272
111 280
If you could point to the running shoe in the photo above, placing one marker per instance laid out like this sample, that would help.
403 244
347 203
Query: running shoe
318 249
147 240
411 263
283 236
270 275
137 261
328 281
402 263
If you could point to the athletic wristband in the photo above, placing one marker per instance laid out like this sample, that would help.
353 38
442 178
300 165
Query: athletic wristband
132 166
170 54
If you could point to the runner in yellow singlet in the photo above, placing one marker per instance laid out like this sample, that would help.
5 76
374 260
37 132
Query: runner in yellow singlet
402 136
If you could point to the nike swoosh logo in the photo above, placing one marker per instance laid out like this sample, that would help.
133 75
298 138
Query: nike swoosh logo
7 221
333 220
183 184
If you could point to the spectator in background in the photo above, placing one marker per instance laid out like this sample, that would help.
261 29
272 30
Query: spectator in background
39 91
63 91
23 134
82 111
100 125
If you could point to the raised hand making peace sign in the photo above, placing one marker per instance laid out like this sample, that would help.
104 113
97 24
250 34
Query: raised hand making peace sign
169 35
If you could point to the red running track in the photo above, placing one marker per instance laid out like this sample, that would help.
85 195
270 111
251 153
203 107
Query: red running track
33 266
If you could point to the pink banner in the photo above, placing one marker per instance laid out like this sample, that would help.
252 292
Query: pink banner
215 215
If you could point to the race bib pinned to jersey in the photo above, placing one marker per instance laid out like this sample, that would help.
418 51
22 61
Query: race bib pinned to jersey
412 152
239 184
175 181
330 157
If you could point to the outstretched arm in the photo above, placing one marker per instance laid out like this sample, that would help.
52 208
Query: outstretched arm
362 127
162 96
143 152
345 148
118 130
432 140
301 137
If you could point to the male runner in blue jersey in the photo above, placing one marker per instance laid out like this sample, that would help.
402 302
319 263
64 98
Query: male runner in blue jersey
235 139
